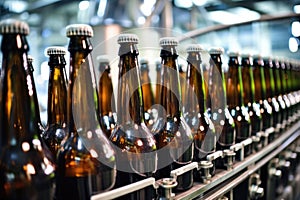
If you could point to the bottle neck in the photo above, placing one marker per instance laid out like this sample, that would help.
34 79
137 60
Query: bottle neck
106 94
196 85
82 92
217 84
57 91
259 78
248 81
18 110
170 96
130 98
234 85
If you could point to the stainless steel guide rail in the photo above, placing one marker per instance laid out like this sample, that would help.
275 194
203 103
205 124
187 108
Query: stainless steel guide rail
214 188
250 163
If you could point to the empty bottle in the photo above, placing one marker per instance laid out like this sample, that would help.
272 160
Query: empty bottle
25 171
86 160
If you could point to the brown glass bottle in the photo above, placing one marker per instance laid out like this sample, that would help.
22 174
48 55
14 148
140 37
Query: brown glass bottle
195 109
289 93
219 113
173 135
270 95
134 143
260 94
148 97
106 98
235 101
249 100
285 98
86 160
25 171
57 100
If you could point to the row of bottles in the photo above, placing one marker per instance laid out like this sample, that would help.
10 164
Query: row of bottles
93 143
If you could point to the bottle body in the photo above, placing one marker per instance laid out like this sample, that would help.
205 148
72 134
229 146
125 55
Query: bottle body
57 100
237 109
106 100
219 113
173 135
25 171
134 143
86 160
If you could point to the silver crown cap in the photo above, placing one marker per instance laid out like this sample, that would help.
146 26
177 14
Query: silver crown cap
30 58
128 38
168 41
216 50
79 29
14 26
233 53
54 50
194 48
102 58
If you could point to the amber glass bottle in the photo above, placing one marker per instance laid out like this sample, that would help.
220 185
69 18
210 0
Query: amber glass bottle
25 171
285 98
270 95
106 97
219 113
148 97
134 143
278 93
173 135
288 82
196 114
235 101
260 94
86 161
57 99
249 98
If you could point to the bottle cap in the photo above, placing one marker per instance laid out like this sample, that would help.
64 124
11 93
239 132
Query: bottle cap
14 26
102 59
233 53
246 55
144 64
168 41
29 58
54 50
257 56
194 48
216 50
128 38
79 29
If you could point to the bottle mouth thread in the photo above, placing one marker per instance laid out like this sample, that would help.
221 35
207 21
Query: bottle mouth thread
10 26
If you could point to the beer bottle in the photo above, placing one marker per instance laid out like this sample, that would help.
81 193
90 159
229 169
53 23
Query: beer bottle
182 80
106 97
134 143
173 135
270 95
29 71
287 102
289 89
157 85
278 91
220 115
25 171
148 97
86 161
260 95
235 101
57 99
195 109
249 99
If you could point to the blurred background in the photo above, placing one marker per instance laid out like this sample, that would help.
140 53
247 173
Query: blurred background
257 26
